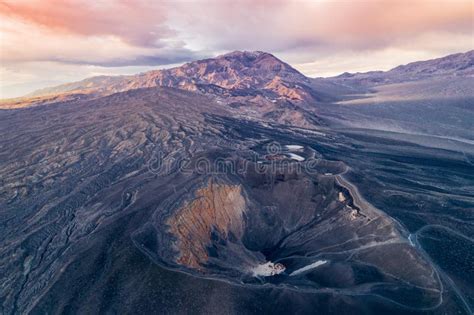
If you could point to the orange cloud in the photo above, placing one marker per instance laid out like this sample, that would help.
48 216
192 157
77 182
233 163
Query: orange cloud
384 20
137 22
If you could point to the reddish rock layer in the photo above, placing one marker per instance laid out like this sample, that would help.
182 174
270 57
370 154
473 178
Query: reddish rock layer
216 207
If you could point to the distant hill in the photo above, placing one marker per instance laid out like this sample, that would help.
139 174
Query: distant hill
457 65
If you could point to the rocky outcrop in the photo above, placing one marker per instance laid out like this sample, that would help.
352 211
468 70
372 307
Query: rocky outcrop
217 208
287 90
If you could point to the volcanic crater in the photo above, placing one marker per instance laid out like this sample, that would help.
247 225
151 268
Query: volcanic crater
303 228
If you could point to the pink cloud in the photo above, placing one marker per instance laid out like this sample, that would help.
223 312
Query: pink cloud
265 25
136 22
283 25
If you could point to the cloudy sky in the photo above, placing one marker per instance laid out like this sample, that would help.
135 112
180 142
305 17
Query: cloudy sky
48 42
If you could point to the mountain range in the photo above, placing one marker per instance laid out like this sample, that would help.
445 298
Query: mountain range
257 78
240 72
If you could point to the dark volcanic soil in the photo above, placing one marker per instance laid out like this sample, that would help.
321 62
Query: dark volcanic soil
164 201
